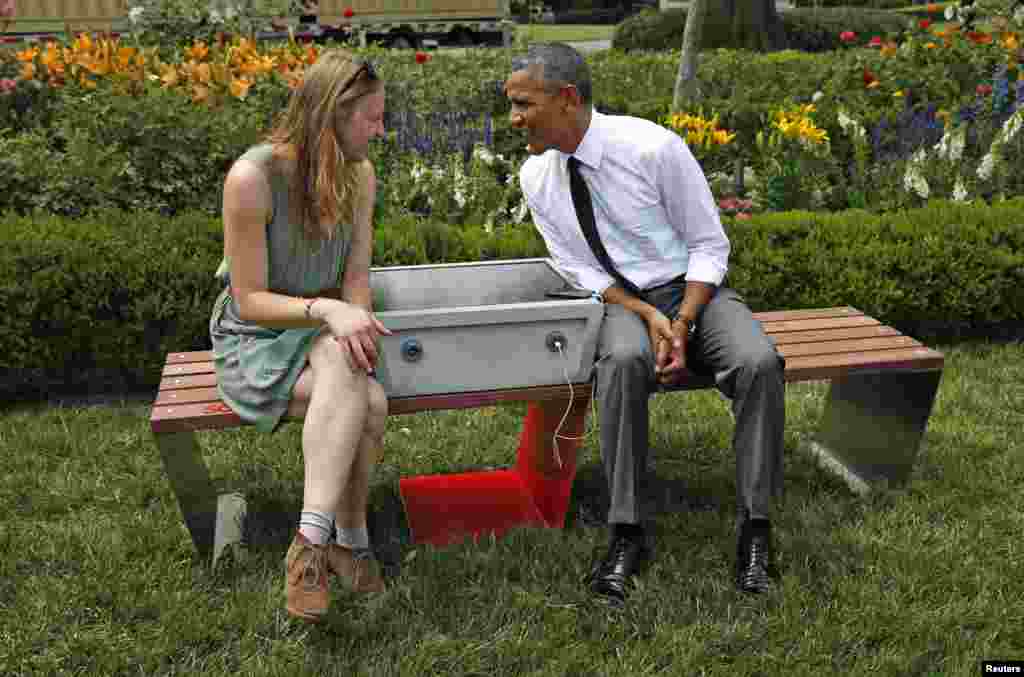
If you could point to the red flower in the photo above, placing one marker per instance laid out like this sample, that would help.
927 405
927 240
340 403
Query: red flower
348 13
847 36
924 24
984 90
875 42
422 57
869 77
979 38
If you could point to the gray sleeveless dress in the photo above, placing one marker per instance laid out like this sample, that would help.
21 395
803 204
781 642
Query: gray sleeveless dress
257 367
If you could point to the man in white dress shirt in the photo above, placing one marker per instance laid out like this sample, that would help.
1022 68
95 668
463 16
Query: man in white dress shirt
659 264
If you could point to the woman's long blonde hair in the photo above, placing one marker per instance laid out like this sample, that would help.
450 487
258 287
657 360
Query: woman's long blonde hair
325 185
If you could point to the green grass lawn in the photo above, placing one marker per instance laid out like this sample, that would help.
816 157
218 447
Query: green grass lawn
99 576
565 33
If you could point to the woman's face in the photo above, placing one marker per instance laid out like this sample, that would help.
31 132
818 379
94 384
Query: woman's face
365 123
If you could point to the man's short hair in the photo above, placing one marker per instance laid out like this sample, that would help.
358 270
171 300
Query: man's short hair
559 65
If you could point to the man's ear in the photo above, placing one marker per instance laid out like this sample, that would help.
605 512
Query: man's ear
572 95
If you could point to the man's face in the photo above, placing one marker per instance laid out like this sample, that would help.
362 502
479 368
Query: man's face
366 122
538 111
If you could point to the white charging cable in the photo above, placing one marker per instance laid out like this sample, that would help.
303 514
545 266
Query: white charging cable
556 436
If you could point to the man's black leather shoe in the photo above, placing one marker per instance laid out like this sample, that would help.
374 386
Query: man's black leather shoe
755 568
612 578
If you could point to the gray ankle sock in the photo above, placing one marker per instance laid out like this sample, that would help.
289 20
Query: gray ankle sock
353 538
316 526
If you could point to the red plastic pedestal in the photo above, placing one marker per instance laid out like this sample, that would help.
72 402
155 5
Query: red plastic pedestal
445 509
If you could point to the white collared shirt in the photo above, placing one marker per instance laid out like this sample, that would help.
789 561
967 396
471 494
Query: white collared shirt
652 206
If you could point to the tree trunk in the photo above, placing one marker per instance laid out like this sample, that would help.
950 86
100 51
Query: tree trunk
744 24
686 91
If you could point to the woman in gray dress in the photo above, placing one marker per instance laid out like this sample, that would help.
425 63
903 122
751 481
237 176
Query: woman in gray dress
293 332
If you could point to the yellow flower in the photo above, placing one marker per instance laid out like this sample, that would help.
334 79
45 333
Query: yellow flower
124 57
1011 42
198 51
240 88
898 93
200 93
27 55
930 45
169 77
28 71
723 136
83 43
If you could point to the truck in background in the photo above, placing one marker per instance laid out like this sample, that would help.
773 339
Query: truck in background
422 23
391 23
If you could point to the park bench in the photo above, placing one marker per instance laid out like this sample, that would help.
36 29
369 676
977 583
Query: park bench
883 385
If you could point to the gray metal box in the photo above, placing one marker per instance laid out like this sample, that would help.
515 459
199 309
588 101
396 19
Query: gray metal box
486 325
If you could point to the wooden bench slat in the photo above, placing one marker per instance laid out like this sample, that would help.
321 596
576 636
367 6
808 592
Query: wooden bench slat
789 350
187 368
811 324
195 356
204 380
805 314
817 335
820 367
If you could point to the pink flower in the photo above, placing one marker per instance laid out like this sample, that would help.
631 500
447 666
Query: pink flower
984 90
743 216
847 36
7 8
875 42
7 85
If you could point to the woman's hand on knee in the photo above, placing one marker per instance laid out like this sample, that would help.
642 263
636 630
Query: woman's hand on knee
356 330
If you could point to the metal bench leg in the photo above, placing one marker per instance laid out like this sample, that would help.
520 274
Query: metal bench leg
872 426
215 522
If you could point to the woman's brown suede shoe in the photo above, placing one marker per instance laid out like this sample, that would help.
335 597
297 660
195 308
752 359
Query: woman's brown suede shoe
359 572
305 585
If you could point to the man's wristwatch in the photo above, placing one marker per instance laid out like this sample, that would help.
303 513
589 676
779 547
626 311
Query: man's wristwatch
691 326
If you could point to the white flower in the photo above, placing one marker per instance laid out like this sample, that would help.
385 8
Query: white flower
914 182
483 154
851 126
919 157
135 14
509 179
952 144
950 13
959 190
988 163
817 96
216 17
1013 125
1018 15
520 212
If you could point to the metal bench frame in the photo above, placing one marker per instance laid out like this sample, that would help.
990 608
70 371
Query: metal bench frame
883 386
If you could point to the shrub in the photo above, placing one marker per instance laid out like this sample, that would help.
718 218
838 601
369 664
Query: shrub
810 30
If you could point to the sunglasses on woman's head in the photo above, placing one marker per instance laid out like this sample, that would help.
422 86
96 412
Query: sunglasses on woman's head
365 65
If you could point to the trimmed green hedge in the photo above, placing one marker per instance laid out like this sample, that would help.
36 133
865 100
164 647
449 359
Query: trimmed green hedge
107 297
807 30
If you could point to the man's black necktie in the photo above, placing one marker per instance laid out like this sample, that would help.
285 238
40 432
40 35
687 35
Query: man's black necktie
585 214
